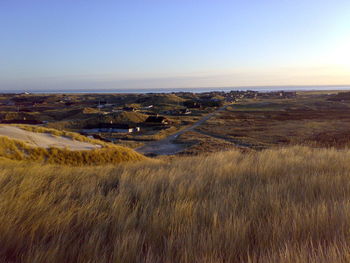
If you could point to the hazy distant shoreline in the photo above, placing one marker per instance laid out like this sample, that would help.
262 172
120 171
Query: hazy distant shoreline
194 90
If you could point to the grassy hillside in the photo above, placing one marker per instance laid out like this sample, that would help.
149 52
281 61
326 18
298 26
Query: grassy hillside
8 115
109 153
161 99
123 117
282 205
72 135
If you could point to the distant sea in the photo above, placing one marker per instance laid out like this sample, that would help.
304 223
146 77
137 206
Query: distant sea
195 90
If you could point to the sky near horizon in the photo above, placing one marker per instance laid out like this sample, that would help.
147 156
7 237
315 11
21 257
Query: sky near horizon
90 44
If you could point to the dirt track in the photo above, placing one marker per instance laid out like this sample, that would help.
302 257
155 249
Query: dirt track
167 146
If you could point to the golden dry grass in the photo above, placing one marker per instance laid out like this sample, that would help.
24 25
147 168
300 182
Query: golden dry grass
110 154
281 205
72 135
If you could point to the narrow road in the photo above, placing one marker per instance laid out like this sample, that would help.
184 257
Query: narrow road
167 146
236 142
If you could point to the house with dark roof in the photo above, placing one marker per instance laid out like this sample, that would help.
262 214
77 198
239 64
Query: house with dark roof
129 109
157 120
110 127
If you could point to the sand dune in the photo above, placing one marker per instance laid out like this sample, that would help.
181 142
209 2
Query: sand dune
44 140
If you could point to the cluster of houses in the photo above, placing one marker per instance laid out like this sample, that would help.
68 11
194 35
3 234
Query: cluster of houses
234 96
111 127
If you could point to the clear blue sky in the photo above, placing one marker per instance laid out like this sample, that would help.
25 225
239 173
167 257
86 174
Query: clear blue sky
173 43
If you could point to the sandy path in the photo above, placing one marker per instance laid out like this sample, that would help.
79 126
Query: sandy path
44 140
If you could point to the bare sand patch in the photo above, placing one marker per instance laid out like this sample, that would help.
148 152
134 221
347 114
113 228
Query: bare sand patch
45 140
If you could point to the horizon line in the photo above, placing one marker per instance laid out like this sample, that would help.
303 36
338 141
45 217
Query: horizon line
183 89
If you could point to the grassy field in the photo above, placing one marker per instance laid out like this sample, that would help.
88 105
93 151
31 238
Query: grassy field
313 120
201 144
280 205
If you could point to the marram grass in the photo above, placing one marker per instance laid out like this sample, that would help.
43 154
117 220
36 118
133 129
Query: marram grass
282 205
108 154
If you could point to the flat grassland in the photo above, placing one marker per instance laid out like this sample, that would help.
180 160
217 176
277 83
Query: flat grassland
317 120
280 205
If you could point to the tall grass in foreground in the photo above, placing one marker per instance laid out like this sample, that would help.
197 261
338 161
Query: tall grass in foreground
285 205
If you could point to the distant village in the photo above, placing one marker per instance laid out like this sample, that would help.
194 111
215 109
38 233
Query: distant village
96 114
